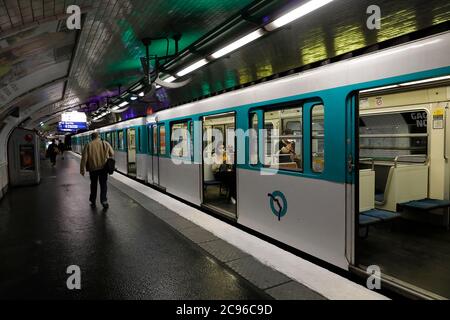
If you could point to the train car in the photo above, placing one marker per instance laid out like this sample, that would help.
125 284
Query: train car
367 145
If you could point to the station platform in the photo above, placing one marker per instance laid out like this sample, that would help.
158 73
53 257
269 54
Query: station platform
140 248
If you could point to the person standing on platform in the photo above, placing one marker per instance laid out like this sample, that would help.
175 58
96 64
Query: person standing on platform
62 148
52 152
94 158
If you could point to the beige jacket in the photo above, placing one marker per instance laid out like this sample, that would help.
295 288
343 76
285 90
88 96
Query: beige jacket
95 155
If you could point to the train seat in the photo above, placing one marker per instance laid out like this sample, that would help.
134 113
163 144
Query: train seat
382 215
406 182
366 190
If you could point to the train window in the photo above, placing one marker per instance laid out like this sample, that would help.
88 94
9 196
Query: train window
284 139
139 140
162 140
318 138
253 139
179 140
121 140
149 141
155 141
387 136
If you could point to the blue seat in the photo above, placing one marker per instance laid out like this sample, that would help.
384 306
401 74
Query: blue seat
367 220
425 204
381 214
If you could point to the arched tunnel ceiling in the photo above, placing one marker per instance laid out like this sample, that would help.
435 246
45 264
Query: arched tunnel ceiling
38 57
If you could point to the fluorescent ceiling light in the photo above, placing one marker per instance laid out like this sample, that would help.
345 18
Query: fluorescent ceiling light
141 94
380 88
192 67
133 98
139 87
115 108
297 13
407 84
123 104
238 43
157 86
170 79
426 81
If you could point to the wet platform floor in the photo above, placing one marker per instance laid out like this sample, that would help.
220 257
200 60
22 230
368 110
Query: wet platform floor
124 253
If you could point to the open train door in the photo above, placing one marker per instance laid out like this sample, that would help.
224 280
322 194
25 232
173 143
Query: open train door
401 178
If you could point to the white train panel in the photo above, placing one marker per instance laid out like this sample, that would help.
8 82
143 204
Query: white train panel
121 161
141 167
315 219
181 180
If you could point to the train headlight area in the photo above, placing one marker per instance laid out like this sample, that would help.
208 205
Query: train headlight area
260 150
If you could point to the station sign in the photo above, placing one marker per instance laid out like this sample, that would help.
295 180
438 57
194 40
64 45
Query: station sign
74 116
71 126
72 122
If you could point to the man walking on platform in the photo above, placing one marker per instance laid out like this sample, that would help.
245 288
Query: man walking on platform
94 158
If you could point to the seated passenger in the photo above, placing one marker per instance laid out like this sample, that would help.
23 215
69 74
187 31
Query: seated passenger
219 158
287 153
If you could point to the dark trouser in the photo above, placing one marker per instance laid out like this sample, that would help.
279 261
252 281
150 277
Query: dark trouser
53 159
102 177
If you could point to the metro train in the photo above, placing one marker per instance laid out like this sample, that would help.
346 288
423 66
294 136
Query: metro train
369 146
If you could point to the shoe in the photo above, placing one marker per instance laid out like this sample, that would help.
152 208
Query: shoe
93 205
105 205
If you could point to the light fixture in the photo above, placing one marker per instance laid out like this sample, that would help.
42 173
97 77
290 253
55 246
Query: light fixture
141 94
406 84
238 43
123 104
170 79
426 81
296 13
115 108
192 67
137 88
134 98
380 88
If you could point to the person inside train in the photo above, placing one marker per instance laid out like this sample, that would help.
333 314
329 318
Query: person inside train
224 172
286 148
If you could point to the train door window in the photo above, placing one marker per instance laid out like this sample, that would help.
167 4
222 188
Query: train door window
162 140
180 140
139 140
284 139
155 141
318 138
121 140
149 140
131 151
403 190
253 139
191 132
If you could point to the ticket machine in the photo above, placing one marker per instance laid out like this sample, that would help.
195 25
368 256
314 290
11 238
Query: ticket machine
23 158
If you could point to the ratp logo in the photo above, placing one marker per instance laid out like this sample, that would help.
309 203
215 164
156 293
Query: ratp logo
278 204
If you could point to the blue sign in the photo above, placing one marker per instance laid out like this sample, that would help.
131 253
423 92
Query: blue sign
278 204
71 126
